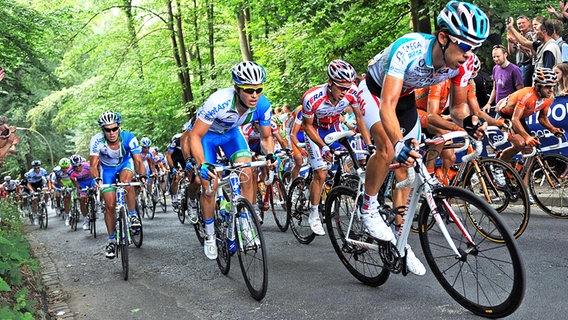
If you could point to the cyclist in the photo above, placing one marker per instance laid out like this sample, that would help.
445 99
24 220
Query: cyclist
11 186
37 180
413 61
525 102
80 174
148 160
161 167
175 161
322 106
115 152
62 180
217 125
295 134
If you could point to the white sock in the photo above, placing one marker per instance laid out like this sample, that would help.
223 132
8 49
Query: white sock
314 212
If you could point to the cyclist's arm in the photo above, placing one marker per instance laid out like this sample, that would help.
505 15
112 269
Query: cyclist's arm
544 121
311 132
283 143
362 127
266 139
200 128
459 108
294 134
390 94
185 144
94 162
476 110
434 117
139 164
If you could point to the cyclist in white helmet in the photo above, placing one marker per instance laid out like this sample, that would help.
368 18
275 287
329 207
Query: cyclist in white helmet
217 125
322 108
115 152
388 104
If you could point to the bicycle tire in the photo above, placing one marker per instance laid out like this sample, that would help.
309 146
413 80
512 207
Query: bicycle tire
150 213
287 177
162 195
489 278
221 233
137 235
364 264
74 216
252 253
92 216
199 227
278 202
154 195
45 217
122 242
298 210
509 198
551 199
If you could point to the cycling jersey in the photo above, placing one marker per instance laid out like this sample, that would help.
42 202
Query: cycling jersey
526 99
35 177
175 149
82 175
10 186
219 111
63 175
113 158
410 58
316 105
253 134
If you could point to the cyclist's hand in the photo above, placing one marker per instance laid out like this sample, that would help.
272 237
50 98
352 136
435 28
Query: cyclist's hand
326 153
558 132
475 130
173 171
532 141
272 159
206 171
371 148
504 123
404 153
188 166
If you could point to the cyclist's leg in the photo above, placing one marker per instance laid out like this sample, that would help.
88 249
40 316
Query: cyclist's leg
109 196
126 173
319 169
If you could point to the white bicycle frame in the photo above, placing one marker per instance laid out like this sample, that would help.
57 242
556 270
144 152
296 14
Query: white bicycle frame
421 184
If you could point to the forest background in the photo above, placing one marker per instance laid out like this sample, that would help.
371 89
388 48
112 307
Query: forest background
156 61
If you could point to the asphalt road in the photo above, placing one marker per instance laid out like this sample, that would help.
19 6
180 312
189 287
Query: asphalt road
170 278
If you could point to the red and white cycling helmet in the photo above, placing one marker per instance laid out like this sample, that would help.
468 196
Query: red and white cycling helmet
341 71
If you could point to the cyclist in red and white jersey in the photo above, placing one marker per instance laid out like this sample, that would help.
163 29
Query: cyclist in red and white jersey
322 106
389 108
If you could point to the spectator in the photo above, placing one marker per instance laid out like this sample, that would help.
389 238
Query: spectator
8 139
506 76
546 51
557 35
561 71
563 14
523 56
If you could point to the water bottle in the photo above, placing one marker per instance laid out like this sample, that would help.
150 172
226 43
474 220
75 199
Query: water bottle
235 184
224 207
120 197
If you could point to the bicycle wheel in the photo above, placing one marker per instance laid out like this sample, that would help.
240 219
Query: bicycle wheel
44 215
251 250
221 232
503 188
162 195
550 191
137 233
74 216
488 278
122 242
364 264
287 177
298 210
278 204
92 216
149 211
155 198
200 225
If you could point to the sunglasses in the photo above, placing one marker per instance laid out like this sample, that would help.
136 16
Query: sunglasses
341 88
111 129
248 90
498 46
464 46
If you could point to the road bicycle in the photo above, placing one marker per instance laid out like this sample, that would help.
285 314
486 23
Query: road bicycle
298 203
271 196
237 222
142 201
545 176
125 235
92 196
158 195
74 213
484 276
41 208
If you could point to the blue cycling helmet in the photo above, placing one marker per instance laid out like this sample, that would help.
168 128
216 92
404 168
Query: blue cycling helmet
109 117
248 72
145 142
75 160
464 20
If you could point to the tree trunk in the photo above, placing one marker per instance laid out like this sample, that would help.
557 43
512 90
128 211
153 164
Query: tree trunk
210 25
244 38
420 16
197 51
133 37
188 94
175 48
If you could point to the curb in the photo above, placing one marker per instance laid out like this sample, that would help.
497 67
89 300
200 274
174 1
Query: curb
56 297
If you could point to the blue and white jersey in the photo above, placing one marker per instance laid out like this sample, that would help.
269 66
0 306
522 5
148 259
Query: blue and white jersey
219 111
11 185
34 177
129 146
410 58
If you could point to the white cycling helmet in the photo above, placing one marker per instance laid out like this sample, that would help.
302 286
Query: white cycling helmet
464 20
109 117
7 178
145 142
341 71
248 72
75 160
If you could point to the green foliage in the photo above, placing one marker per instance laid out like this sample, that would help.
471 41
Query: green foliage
14 258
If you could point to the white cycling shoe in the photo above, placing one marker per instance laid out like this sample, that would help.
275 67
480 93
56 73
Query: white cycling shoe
316 226
413 264
376 226
210 247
